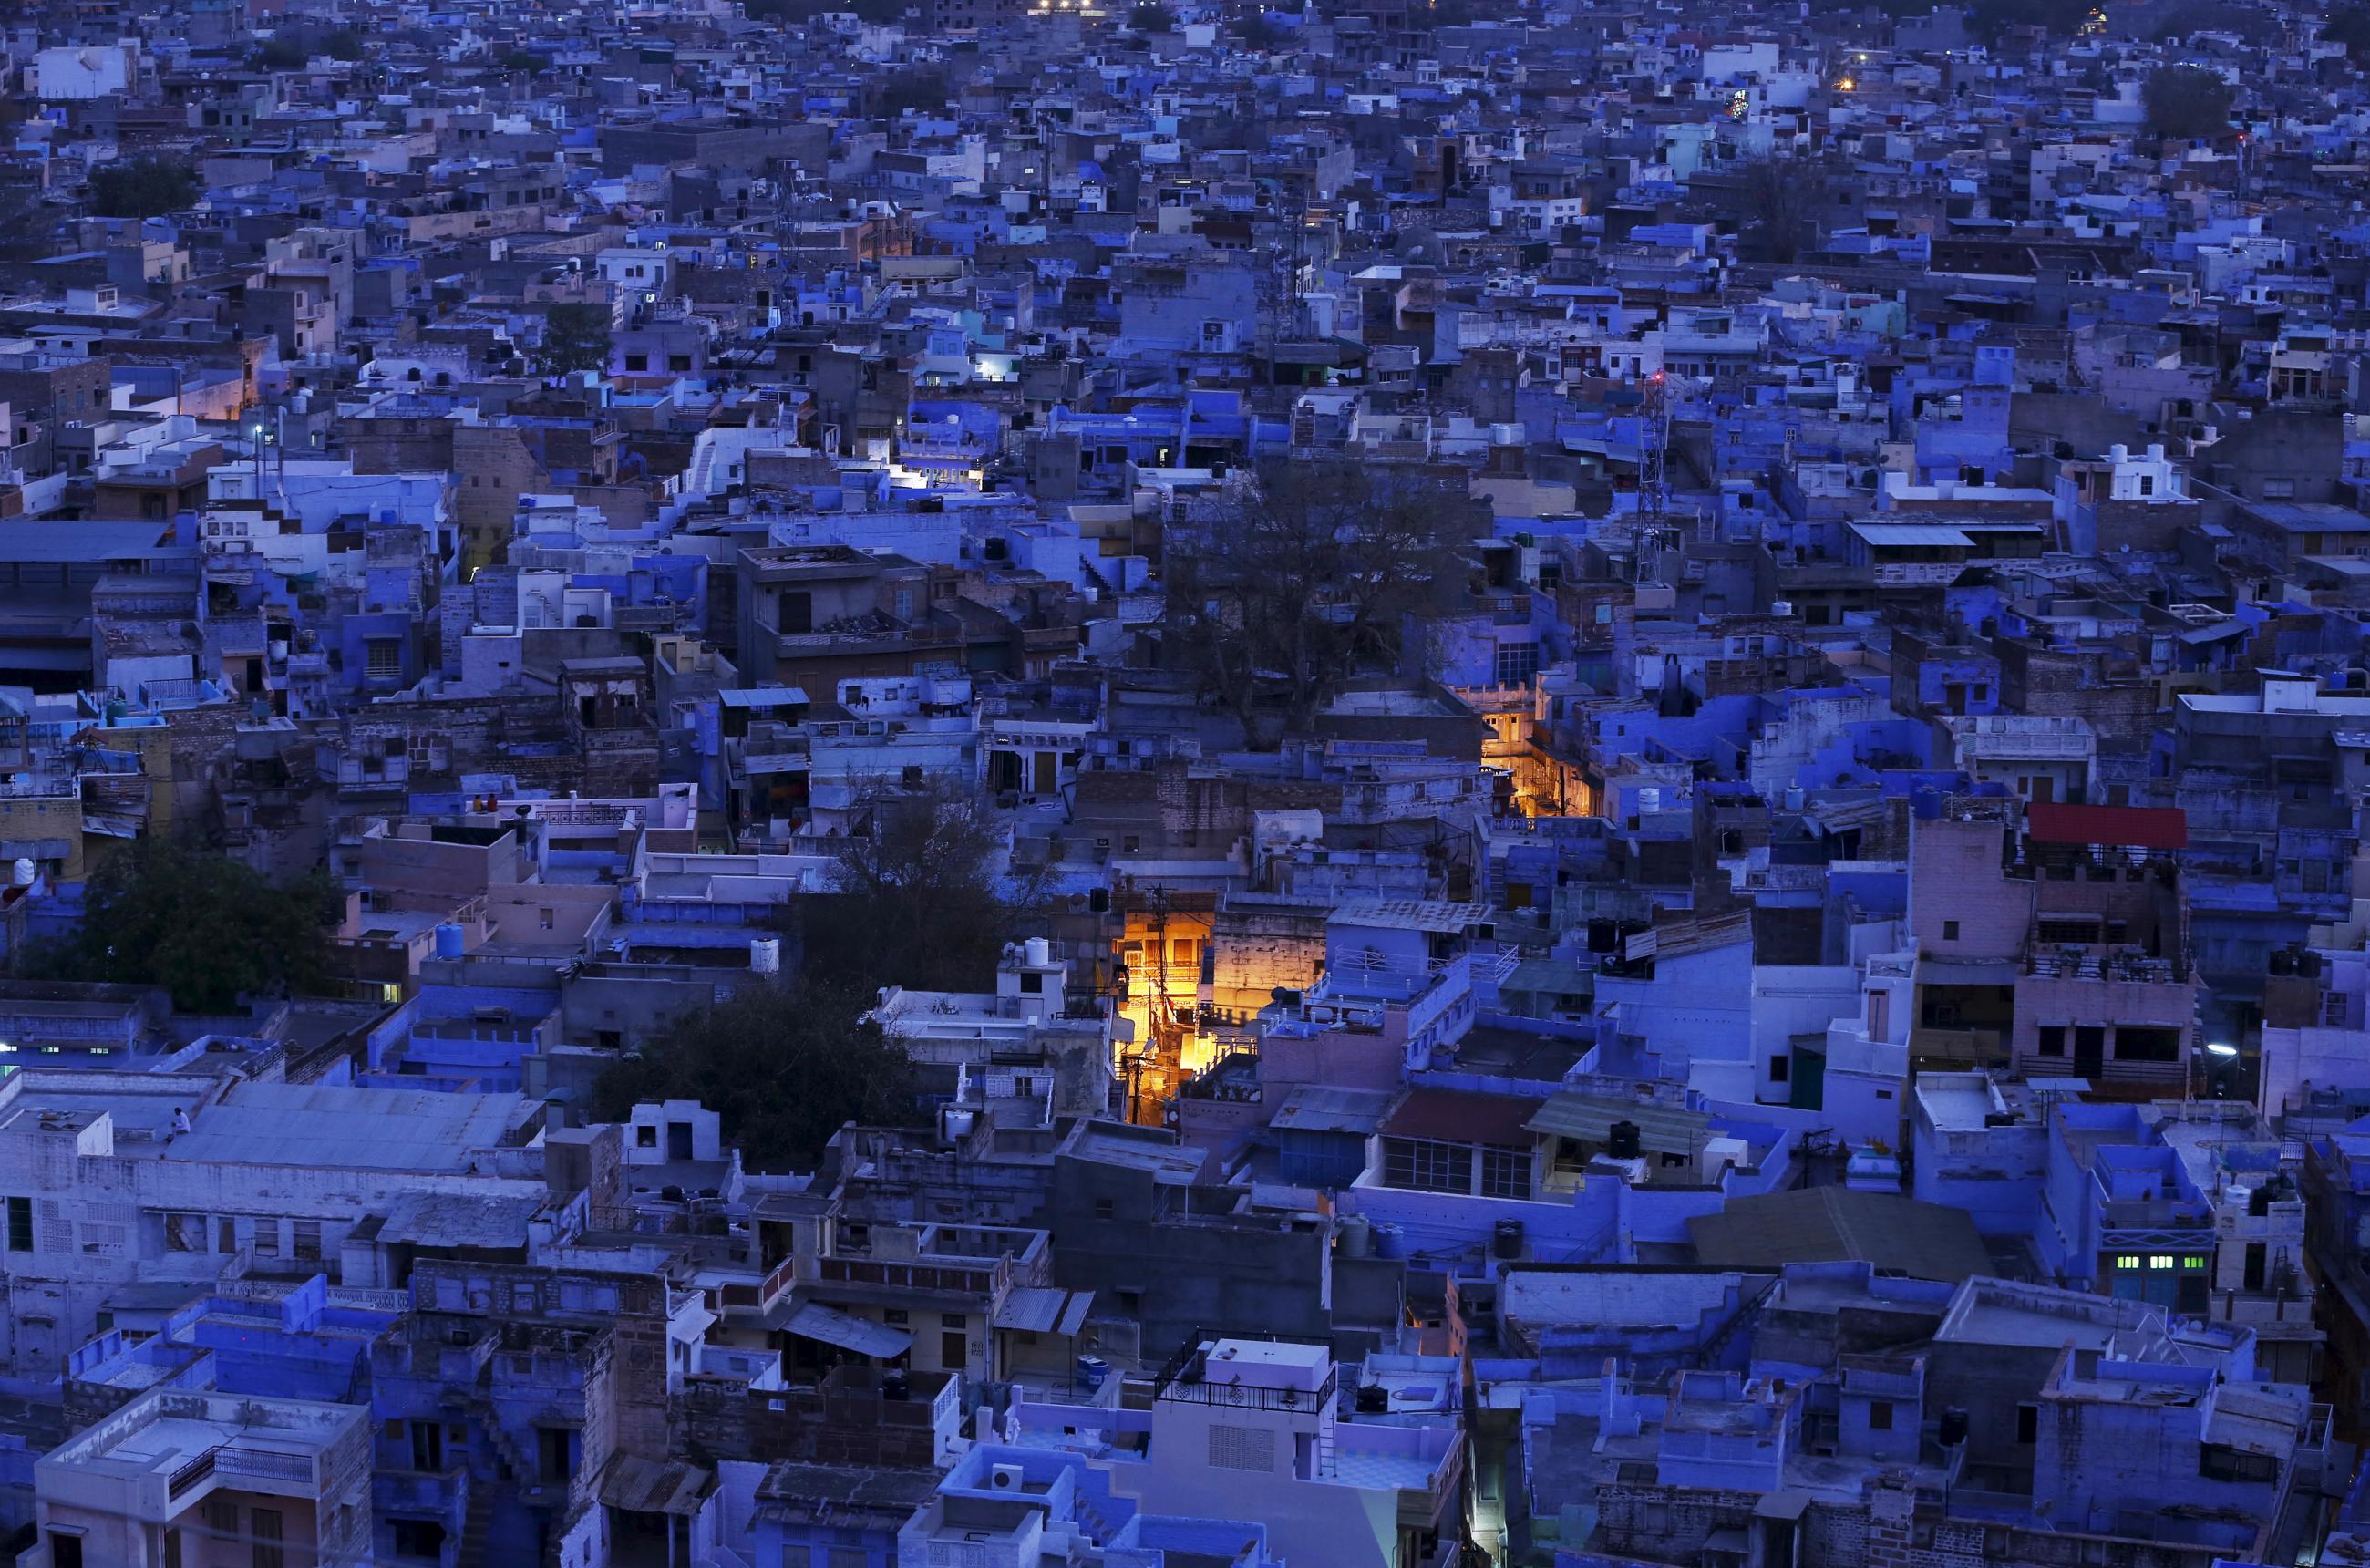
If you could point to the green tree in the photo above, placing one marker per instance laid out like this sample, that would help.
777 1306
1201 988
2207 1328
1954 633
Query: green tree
344 44
576 336
208 929
2186 103
526 62
282 53
143 188
1151 16
783 1064
918 902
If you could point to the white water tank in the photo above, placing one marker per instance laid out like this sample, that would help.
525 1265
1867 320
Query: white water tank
22 875
764 956
1649 801
1039 952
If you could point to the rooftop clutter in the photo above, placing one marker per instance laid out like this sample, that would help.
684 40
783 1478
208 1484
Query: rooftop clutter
1038 781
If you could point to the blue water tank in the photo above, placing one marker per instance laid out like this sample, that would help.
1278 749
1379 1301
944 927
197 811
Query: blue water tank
451 940
1092 1371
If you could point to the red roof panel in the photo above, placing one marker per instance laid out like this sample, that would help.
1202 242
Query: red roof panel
2149 827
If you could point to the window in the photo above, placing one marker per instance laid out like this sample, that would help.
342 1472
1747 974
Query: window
1423 1166
1242 1447
267 1238
304 1240
1879 1415
2028 1423
1505 1174
1780 1066
1517 663
383 658
2135 1044
21 1225
1949 930
1105 1209
2053 1040
637 361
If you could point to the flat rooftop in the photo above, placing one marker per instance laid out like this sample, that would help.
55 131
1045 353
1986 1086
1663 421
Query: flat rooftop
380 1129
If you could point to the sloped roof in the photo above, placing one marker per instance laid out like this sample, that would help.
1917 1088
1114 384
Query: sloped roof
1812 1225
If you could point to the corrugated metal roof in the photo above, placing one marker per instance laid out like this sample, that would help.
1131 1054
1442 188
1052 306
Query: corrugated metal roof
1661 1129
1909 534
831 1326
1332 1108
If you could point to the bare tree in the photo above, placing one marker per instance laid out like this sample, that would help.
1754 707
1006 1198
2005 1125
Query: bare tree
1306 576
1782 198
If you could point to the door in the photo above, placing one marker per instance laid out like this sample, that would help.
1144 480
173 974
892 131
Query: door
954 1350
678 1140
428 1445
1042 764
2090 1050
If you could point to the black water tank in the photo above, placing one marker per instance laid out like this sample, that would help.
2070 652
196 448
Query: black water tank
2283 961
1954 1427
1621 1140
1506 1241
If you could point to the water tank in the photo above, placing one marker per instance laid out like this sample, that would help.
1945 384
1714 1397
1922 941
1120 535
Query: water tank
1093 1371
958 1124
1621 1140
22 873
1039 952
1357 1235
1649 801
1506 1239
2283 961
1388 1239
764 956
451 940
1953 1429
2307 963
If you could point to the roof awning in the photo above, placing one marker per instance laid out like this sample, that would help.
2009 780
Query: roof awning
635 1485
831 1326
1661 1129
1043 1309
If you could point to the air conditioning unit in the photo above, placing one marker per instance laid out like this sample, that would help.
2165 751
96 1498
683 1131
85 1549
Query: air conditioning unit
1004 1477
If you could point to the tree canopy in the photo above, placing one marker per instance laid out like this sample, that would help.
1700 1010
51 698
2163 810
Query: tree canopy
575 337
918 902
2186 103
782 1064
208 929
143 188
1304 578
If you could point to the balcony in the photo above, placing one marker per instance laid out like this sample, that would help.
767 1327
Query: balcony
249 1469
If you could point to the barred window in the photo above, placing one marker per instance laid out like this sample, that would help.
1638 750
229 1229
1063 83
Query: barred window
1242 1447
1426 1166
1505 1173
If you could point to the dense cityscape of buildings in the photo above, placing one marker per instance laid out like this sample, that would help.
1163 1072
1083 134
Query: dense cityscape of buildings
1592 776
